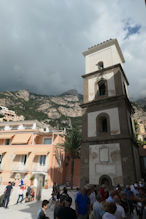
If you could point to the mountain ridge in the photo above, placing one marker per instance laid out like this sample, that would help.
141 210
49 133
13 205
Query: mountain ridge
59 111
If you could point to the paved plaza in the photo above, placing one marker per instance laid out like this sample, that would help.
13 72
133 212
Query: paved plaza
27 210
23 211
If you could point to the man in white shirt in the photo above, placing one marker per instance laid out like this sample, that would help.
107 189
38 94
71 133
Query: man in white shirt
134 189
97 207
110 208
92 197
120 213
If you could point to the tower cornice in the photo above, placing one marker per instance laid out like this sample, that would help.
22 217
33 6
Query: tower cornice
106 69
109 100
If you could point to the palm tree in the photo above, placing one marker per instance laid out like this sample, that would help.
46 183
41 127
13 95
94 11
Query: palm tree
72 144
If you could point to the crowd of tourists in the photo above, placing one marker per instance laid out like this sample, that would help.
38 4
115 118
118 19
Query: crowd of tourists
25 193
89 202
92 202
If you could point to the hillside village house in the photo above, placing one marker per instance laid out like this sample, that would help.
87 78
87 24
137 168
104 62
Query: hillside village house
142 130
29 151
142 150
9 115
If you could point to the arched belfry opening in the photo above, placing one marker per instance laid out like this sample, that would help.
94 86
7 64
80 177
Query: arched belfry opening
103 124
102 88
100 65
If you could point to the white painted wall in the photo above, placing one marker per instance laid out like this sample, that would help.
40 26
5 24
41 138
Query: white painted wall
91 88
110 85
7 128
109 56
101 162
114 121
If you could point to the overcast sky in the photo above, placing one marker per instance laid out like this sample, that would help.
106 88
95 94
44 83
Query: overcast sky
41 42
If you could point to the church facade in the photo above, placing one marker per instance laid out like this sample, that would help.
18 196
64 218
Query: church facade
109 152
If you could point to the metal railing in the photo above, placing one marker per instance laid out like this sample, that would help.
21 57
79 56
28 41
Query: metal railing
19 168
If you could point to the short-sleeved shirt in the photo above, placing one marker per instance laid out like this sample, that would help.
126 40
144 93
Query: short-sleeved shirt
41 215
82 203
8 190
66 213
97 209
92 198
120 213
108 216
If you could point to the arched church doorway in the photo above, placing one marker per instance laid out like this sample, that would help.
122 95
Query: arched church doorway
106 180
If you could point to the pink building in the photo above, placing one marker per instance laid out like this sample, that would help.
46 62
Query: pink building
32 152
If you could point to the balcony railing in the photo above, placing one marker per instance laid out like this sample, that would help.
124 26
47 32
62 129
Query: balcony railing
19 168
40 169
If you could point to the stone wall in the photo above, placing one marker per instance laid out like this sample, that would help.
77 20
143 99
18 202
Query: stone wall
105 159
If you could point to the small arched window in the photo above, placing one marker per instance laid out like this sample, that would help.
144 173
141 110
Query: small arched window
102 88
100 65
103 124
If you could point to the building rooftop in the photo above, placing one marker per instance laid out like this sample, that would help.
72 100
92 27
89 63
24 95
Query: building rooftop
11 123
103 45
39 128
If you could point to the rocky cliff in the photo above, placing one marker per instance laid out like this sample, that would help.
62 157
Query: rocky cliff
58 111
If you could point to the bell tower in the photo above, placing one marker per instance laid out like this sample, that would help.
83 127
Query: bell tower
109 151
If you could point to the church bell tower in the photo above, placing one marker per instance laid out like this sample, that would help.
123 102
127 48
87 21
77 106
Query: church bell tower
109 151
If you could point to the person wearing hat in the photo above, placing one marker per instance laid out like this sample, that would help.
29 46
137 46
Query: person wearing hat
67 212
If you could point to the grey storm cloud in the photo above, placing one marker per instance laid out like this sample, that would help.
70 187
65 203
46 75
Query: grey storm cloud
41 42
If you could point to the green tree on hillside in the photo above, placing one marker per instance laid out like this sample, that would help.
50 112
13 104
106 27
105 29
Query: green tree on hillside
72 144
139 141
